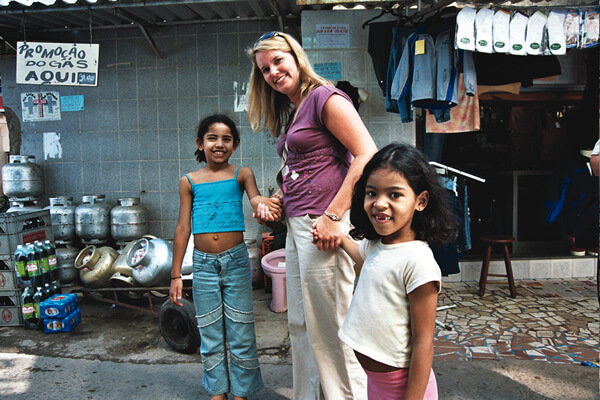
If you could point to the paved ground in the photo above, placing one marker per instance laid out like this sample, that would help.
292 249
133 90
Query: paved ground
493 347
550 320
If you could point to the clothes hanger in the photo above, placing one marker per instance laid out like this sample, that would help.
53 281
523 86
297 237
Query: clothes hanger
457 171
388 10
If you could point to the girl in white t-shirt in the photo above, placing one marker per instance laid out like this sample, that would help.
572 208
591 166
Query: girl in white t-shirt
398 206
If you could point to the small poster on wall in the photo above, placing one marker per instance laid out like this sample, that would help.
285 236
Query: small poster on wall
71 64
40 106
71 103
331 71
333 35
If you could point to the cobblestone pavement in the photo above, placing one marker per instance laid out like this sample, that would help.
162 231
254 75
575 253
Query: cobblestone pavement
550 320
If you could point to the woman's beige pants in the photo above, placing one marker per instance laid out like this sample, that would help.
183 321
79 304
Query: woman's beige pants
319 290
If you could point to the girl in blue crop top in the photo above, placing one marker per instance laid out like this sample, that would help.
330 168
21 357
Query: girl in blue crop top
211 198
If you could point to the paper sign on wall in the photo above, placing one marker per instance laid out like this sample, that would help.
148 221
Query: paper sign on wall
52 145
332 35
240 96
40 106
331 71
72 64
71 103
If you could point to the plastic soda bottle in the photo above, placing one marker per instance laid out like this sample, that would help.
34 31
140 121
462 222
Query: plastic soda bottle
48 290
51 250
33 266
20 258
45 266
30 320
38 297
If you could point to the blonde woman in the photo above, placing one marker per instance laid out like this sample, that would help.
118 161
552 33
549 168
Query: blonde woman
324 145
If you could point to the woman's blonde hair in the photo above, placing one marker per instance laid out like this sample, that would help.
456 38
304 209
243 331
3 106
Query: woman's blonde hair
268 108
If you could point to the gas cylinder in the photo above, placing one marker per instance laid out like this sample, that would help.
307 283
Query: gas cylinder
21 206
92 219
151 261
22 178
255 256
65 265
128 220
62 215
96 265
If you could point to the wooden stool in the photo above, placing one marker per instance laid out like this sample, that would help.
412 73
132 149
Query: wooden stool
489 241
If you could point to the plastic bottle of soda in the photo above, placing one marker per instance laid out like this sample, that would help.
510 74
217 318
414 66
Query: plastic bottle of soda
45 266
33 266
48 290
20 257
30 320
51 250
38 297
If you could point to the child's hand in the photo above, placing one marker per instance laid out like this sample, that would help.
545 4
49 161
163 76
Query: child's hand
314 233
268 210
327 234
175 291
274 204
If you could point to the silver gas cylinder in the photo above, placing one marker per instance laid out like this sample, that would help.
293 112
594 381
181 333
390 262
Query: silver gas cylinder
255 256
65 265
62 215
22 178
151 261
92 219
128 220
19 206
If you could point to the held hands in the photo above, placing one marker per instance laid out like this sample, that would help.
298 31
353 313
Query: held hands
327 234
268 210
175 291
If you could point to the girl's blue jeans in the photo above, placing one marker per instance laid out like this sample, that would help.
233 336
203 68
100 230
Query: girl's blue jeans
222 288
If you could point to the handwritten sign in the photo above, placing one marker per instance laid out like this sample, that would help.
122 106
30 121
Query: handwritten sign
333 35
71 64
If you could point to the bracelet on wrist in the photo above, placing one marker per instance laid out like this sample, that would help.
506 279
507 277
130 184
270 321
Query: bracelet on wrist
331 216
176 277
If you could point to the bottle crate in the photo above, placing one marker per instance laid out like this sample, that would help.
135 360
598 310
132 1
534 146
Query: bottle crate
8 276
22 228
10 308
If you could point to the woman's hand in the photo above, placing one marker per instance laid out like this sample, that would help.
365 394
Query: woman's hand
268 211
175 291
326 233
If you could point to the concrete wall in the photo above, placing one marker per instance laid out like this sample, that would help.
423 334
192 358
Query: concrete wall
136 134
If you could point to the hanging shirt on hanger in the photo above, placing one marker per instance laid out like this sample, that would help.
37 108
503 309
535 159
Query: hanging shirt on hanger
428 74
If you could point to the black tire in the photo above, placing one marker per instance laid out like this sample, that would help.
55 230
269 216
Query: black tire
178 326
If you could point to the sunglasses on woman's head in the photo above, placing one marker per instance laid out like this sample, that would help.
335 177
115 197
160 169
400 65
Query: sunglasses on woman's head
266 36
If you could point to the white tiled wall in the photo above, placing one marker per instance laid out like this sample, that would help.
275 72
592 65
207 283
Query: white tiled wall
555 268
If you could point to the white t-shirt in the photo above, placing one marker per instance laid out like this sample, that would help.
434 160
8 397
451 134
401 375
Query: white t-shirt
378 321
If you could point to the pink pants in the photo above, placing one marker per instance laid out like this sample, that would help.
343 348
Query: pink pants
392 385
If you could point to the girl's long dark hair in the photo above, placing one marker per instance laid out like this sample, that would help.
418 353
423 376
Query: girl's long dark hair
435 224
204 126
